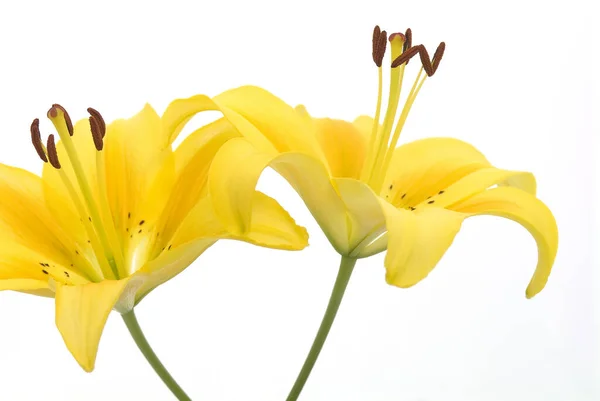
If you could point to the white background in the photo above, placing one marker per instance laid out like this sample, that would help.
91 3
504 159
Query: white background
515 81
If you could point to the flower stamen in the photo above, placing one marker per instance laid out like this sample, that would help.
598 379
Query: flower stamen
52 154
98 129
396 78
379 47
99 119
62 122
383 143
36 139
97 134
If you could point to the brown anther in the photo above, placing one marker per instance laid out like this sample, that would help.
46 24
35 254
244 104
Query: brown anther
376 34
379 45
429 68
437 56
96 114
52 154
96 133
36 139
53 113
408 41
404 57
425 60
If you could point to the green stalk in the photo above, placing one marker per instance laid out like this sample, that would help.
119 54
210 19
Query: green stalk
140 340
341 282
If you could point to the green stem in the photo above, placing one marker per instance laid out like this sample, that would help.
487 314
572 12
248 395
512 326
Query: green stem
140 340
341 282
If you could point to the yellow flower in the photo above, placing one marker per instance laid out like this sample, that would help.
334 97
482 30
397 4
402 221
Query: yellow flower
367 194
116 213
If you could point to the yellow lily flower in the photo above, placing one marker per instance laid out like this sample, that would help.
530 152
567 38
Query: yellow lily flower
116 213
365 192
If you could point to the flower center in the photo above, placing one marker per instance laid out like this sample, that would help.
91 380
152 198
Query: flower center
94 211
383 141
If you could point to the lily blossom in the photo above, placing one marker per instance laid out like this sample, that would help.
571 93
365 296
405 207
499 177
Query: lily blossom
367 193
116 213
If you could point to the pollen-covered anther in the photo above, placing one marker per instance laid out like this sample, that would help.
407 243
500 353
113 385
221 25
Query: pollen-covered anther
36 139
96 114
52 154
96 129
55 111
429 66
408 40
437 56
379 45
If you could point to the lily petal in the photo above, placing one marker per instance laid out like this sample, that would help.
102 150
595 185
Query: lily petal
417 241
81 313
180 111
23 284
283 126
25 220
344 146
364 125
168 264
192 160
479 181
235 171
22 268
271 226
366 221
424 167
139 169
531 213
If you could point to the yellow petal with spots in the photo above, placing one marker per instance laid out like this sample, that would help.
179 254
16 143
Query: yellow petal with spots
423 168
479 181
139 169
531 213
18 262
81 313
235 172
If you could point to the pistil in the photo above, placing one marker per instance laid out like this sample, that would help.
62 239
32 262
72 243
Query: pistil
396 78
